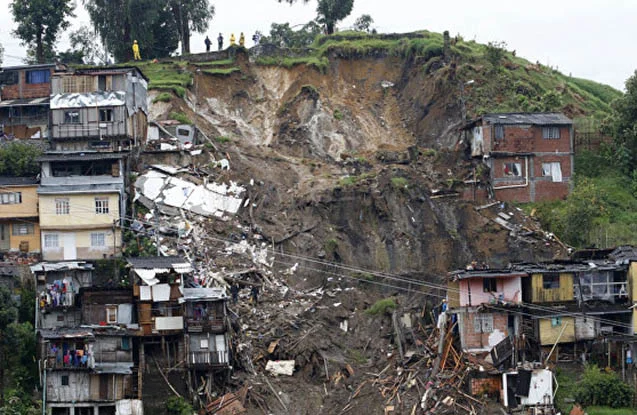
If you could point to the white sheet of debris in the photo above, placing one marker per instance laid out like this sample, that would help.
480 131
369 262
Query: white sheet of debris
211 199
280 367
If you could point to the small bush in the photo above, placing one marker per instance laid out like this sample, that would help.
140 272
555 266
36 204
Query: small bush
162 97
382 307
399 182
338 115
223 139
180 91
180 116
178 406
603 389
495 52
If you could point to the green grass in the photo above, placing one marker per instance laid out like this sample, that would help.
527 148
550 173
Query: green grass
180 116
338 115
321 63
382 307
223 139
222 71
162 97
399 182
603 410
222 62
352 180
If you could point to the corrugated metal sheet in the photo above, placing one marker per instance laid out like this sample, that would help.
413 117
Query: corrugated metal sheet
533 118
93 99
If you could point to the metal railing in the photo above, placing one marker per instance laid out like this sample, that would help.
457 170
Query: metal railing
213 358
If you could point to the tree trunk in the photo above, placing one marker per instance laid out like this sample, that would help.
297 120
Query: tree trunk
330 28
186 40
39 48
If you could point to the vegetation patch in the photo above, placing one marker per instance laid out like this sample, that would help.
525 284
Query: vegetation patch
222 71
352 180
318 62
399 182
383 306
338 115
223 139
162 97
180 116
222 62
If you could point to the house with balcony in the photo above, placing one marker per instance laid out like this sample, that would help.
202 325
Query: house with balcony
24 100
206 339
530 155
98 109
19 220
81 198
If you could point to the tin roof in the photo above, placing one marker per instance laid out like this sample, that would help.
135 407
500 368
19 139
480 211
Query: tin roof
534 118
17 181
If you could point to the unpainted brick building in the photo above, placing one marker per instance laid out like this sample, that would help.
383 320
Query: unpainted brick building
530 155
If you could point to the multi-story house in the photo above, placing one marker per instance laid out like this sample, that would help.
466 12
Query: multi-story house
24 100
19 223
85 342
530 155
82 198
97 116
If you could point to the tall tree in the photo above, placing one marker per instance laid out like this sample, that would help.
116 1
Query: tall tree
40 21
330 12
8 315
191 16
120 22
623 126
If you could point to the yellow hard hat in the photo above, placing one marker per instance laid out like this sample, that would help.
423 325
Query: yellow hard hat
134 41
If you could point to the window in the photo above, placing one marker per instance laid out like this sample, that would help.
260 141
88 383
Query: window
551 133
489 285
125 343
51 240
483 323
23 229
550 281
513 169
98 240
203 344
38 77
101 205
556 321
62 206
106 115
499 132
71 117
65 380
553 170
111 314
11 198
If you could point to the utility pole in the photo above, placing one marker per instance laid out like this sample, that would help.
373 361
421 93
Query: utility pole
156 216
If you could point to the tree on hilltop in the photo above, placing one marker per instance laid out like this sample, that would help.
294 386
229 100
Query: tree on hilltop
39 22
191 16
330 12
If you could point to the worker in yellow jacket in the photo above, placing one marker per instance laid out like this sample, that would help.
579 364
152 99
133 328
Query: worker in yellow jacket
242 40
232 39
136 55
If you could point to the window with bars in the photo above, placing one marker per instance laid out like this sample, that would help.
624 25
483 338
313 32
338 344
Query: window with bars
51 241
483 323
62 206
23 229
106 115
10 198
111 314
101 205
489 285
98 240
551 133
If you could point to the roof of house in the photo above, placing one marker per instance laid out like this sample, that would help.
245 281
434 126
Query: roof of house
80 156
109 70
17 181
487 273
18 67
25 102
534 118
201 293
61 266
153 262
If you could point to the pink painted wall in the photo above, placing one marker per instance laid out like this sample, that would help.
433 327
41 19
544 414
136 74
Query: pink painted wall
511 287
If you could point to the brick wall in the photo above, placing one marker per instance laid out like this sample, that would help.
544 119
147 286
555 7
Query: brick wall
22 90
490 386
473 340
528 140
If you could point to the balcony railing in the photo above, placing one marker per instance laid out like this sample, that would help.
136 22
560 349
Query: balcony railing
213 325
214 358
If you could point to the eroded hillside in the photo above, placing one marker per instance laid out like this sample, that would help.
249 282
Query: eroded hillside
351 163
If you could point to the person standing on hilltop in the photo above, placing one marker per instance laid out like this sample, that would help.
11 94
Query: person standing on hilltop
136 55
232 40
208 43
220 41
242 40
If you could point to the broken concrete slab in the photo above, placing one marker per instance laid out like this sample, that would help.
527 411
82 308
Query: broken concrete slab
280 367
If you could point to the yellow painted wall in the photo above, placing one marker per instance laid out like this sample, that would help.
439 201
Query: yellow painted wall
83 249
33 239
28 207
81 211
549 333
632 281
563 293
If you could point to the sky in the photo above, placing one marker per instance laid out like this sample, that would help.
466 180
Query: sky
593 39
